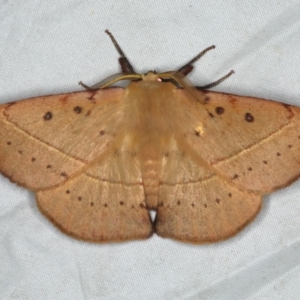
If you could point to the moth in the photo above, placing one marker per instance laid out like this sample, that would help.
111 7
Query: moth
99 160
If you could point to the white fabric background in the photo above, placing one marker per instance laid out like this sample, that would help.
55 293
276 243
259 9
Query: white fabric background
46 47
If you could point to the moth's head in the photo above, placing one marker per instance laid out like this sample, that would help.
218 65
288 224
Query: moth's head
174 77
150 76
162 77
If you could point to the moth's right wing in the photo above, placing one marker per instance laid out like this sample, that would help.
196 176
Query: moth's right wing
197 205
46 140
103 204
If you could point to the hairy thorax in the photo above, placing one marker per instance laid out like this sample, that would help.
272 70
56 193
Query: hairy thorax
152 119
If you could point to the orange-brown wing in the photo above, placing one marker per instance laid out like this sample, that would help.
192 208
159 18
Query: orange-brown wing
46 140
197 205
105 203
253 143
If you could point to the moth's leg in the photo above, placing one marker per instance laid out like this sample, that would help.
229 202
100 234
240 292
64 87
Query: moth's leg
188 67
126 66
84 85
208 86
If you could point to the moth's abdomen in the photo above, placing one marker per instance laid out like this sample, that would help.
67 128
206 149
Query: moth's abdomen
150 174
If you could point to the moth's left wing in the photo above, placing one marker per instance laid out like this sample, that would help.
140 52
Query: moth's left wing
46 140
103 204
252 143
197 205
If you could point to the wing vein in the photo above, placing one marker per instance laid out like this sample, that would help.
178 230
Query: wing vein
30 136
253 146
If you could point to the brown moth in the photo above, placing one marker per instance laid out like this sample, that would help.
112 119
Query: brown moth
100 159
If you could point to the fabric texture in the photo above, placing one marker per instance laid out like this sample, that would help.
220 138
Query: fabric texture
47 47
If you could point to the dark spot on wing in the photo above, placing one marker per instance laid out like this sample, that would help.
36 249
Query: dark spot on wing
121 203
249 117
78 109
265 162
102 132
33 159
288 107
79 198
218 200
49 167
219 110
67 191
249 169
92 94
64 99
278 154
178 202
48 116
235 176
232 99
